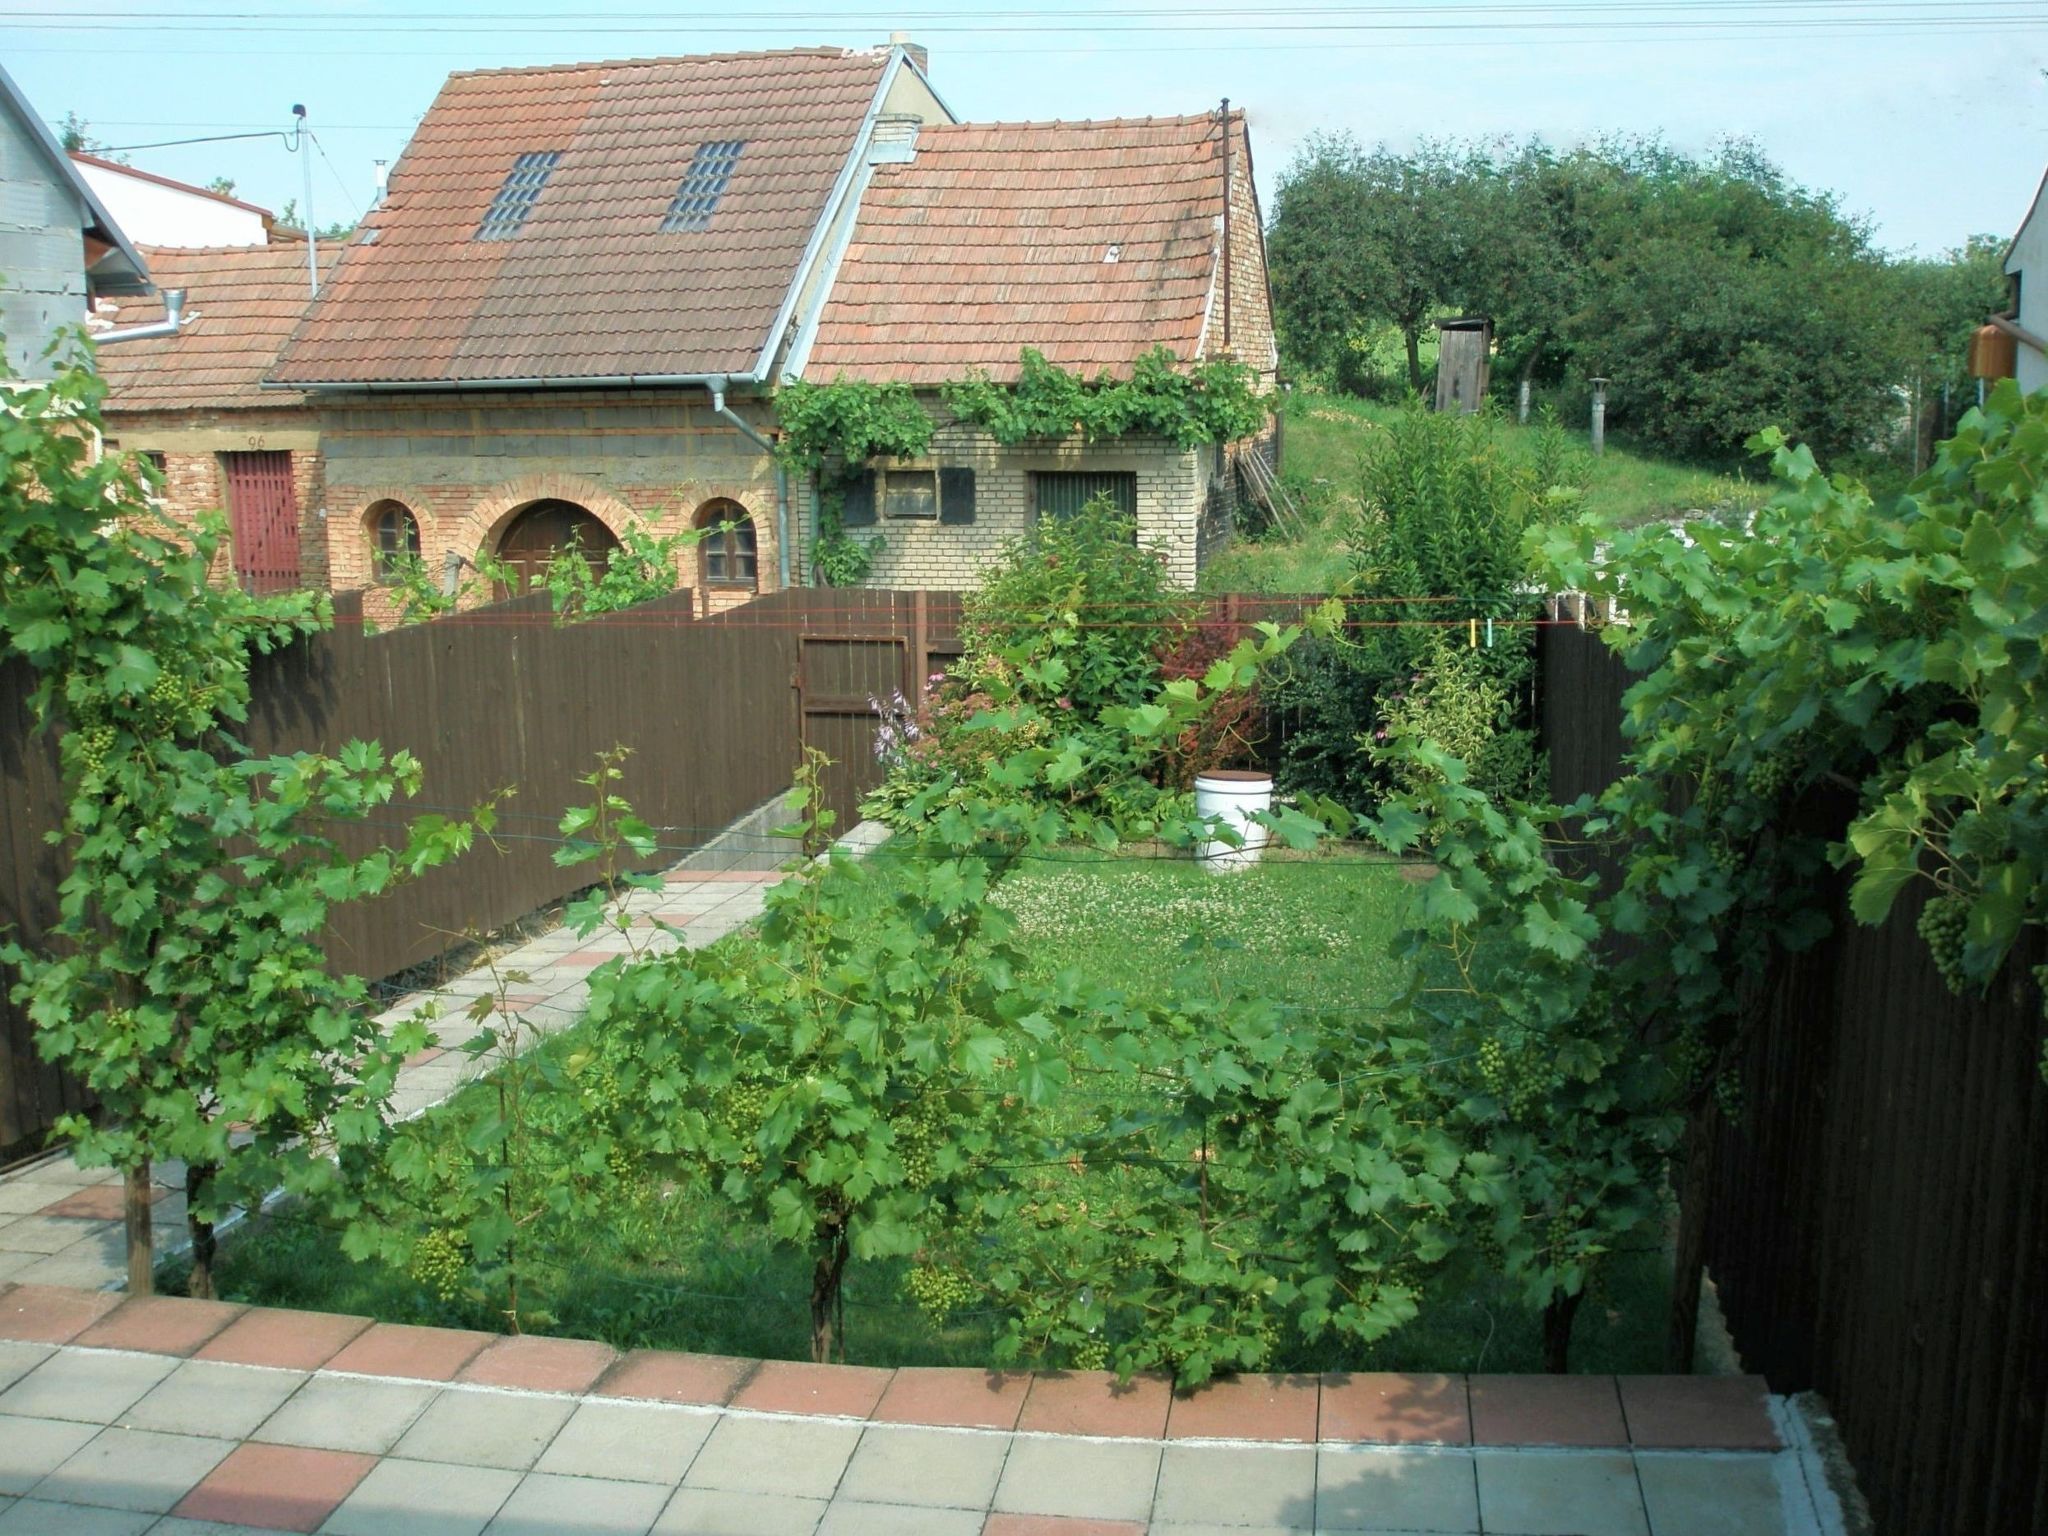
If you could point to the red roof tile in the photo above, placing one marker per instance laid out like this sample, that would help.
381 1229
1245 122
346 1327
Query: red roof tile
242 302
590 287
997 236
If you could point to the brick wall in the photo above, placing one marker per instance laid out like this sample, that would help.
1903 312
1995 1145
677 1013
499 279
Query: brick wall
465 466
1172 484
192 443
1251 303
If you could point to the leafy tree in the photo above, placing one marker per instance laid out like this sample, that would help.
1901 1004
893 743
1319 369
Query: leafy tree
1362 236
185 985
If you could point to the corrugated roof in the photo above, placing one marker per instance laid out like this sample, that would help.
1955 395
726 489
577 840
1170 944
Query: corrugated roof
242 302
591 287
997 236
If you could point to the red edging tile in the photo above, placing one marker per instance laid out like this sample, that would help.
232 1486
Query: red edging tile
953 1398
790 1386
280 1487
1546 1410
51 1314
1250 1407
1092 1403
1724 1413
401 1349
1387 1408
665 1376
160 1325
95 1202
540 1364
294 1341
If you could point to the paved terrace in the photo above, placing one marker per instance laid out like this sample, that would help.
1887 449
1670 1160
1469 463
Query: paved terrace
184 1418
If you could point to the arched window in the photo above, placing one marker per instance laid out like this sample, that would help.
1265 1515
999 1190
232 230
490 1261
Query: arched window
394 536
543 529
726 555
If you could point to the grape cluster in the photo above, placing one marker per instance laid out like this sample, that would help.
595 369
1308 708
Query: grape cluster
1768 776
440 1262
741 1109
938 1292
1728 1094
1725 858
1091 1354
94 743
1517 1082
919 1131
1942 922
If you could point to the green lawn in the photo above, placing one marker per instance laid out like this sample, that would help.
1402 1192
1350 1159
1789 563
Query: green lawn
670 1269
1325 434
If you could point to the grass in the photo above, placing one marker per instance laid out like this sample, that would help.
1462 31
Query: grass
1326 435
666 1268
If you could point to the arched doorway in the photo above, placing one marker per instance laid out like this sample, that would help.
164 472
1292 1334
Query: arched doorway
728 559
535 535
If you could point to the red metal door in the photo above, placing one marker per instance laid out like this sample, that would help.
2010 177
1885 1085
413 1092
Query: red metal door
263 519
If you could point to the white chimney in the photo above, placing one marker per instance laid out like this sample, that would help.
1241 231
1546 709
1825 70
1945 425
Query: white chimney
383 176
919 55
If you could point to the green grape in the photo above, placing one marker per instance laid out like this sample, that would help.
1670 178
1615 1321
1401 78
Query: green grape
1943 923
938 1292
1091 1355
440 1262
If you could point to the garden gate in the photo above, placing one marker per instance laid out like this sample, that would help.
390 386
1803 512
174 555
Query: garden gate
263 519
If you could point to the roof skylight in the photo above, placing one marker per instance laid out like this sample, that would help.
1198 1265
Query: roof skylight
703 184
521 190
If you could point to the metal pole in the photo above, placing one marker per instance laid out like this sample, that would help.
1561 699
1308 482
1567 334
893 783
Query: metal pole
1599 416
306 165
1522 404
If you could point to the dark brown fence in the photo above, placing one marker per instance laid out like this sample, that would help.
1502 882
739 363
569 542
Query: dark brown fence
1879 1223
715 711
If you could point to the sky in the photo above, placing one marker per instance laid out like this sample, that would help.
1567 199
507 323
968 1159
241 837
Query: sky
1929 117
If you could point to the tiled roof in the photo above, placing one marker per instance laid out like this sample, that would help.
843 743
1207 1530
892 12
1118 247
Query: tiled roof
591 286
241 302
997 236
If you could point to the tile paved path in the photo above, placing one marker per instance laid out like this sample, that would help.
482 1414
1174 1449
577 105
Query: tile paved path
181 1418
61 1224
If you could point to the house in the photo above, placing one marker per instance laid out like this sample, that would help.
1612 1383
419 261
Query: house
2023 328
570 315
1091 242
194 404
60 248
157 211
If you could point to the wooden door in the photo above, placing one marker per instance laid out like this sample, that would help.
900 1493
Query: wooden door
263 520
838 679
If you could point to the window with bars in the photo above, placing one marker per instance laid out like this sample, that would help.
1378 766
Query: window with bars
521 190
1063 493
702 185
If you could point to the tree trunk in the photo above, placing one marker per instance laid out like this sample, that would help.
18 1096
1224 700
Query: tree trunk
1694 1183
825 1281
1557 1331
198 1179
135 1214
1412 334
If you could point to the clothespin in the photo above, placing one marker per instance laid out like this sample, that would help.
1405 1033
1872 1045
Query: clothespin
1474 637
1489 631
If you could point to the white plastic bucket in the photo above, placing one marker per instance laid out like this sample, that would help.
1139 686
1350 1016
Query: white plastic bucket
1232 796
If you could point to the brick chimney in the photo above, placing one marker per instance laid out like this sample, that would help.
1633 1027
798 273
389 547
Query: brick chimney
919 54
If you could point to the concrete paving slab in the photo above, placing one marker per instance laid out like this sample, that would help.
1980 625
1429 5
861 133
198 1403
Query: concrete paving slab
1396 1490
1273 1486
1711 1495
41 1517
95 1389
548 1504
722 1512
341 1413
799 1458
485 1429
950 1469
216 1399
17 1360
1532 1493
632 1441
1103 1480
846 1517
134 1469
423 1498
31 1449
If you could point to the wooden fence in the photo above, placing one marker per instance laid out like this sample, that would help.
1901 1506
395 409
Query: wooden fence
1878 1228
715 710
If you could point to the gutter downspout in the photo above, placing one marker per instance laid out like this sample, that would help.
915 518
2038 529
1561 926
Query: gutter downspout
2019 333
172 322
746 430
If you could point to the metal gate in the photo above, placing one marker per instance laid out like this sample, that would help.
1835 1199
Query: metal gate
837 679
263 520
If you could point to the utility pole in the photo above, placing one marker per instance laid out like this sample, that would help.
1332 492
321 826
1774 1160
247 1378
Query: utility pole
306 165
